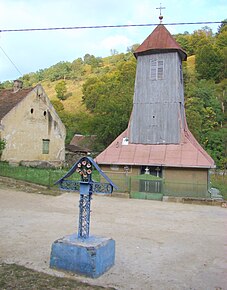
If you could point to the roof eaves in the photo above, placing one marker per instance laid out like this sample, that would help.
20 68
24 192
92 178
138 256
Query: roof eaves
156 164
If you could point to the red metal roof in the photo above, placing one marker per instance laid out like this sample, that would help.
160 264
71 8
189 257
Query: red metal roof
160 40
186 154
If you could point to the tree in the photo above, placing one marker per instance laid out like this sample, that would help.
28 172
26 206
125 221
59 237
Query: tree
92 60
222 27
222 97
209 63
113 52
109 98
77 68
200 38
58 106
133 47
75 123
93 88
205 116
185 42
194 106
6 85
58 71
61 90
221 39
217 146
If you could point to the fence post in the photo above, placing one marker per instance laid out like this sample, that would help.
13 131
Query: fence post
129 184
163 187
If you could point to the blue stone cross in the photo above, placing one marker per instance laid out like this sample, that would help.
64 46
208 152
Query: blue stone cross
86 186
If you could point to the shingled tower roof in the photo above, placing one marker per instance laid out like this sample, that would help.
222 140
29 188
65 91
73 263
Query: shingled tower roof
160 40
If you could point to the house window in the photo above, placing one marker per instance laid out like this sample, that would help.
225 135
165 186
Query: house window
46 143
114 167
156 69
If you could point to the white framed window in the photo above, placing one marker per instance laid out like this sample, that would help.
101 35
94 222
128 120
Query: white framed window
156 69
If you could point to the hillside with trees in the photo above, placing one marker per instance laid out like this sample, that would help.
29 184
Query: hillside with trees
93 95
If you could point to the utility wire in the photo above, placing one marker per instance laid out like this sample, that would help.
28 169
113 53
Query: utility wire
105 26
94 27
11 61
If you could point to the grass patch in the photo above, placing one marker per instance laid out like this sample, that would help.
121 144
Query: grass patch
220 182
46 177
13 276
41 176
74 89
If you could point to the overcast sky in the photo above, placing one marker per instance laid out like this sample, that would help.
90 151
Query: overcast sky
31 51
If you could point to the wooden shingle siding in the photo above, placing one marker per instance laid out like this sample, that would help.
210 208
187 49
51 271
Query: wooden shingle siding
158 100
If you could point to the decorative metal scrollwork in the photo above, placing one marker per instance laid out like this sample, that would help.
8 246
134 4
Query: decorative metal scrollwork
84 217
102 187
86 186
70 185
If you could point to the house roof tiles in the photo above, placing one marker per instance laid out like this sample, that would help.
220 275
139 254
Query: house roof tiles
85 142
9 99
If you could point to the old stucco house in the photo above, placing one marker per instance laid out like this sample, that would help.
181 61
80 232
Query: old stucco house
157 149
30 126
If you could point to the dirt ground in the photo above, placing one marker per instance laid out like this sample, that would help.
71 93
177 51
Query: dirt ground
158 245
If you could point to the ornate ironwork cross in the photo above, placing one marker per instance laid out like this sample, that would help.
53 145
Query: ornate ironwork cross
86 186
160 16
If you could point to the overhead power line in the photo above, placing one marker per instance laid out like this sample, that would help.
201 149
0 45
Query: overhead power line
95 27
105 26
11 61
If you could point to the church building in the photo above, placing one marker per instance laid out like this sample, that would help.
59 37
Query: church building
157 152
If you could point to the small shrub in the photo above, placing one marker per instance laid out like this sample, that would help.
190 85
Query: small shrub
2 145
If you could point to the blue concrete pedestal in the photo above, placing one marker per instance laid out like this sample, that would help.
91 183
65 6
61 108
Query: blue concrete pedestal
90 257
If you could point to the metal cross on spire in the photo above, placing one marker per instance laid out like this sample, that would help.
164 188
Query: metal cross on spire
160 16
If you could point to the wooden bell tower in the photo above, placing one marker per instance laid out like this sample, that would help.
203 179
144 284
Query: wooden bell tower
158 104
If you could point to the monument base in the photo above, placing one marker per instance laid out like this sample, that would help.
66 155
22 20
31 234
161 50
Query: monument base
90 257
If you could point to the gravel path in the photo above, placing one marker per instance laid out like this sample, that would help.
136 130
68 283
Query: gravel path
158 245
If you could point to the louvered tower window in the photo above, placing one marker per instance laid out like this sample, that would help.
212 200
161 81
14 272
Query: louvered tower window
156 69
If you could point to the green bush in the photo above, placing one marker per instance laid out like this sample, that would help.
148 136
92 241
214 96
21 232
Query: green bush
2 145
